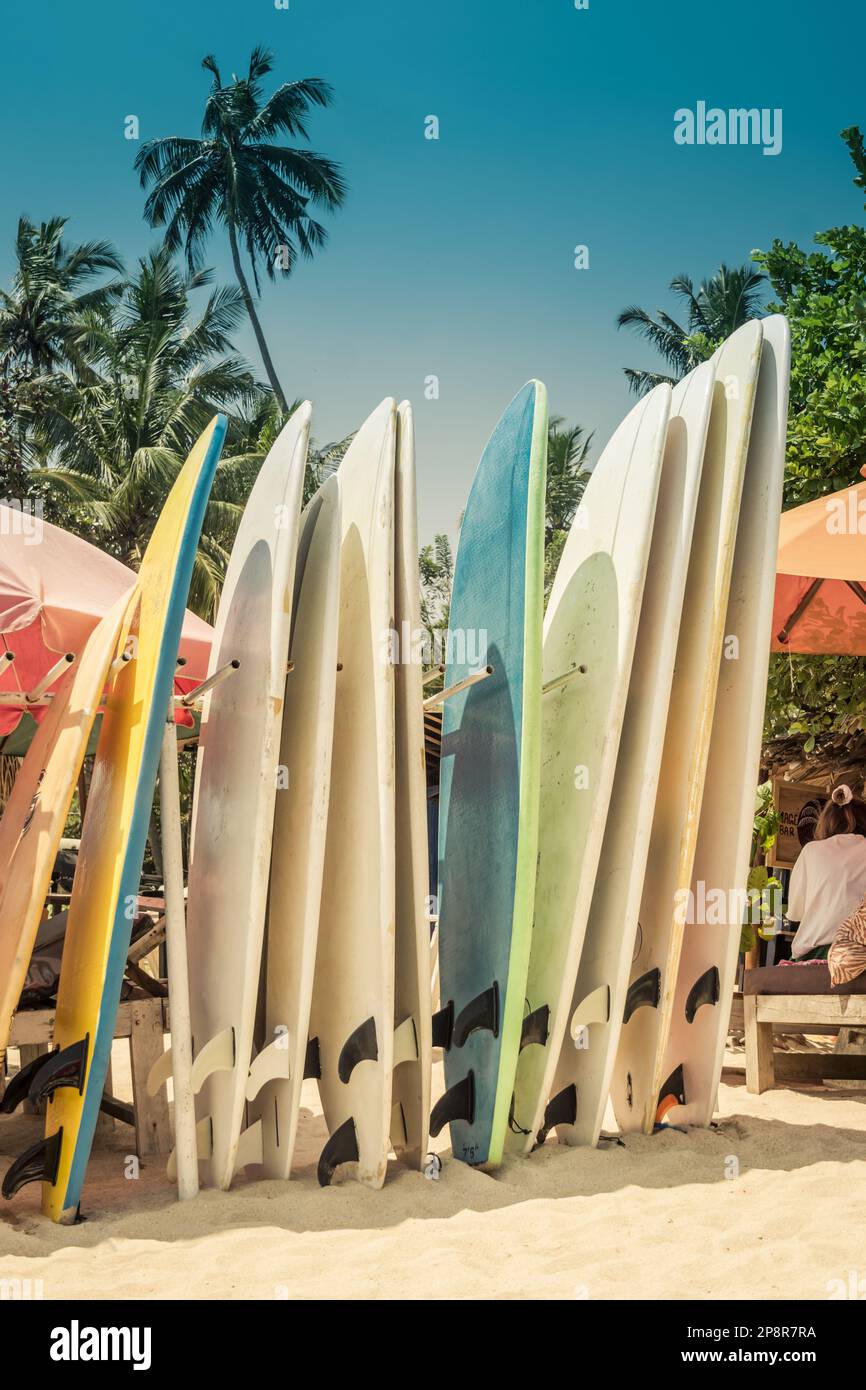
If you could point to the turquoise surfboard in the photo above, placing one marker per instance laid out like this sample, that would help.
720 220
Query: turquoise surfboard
489 781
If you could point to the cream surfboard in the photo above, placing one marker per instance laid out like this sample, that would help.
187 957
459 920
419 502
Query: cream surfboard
589 1047
708 960
233 807
72 1078
638 1088
300 824
590 629
353 993
412 1025
36 811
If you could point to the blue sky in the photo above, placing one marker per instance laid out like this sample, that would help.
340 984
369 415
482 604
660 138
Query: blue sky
454 257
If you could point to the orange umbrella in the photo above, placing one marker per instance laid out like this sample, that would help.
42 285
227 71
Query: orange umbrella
821 576
54 588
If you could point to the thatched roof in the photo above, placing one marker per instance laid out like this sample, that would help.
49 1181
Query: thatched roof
836 757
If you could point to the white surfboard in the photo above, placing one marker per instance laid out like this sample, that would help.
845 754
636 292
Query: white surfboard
589 1047
410 1114
233 808
708 961
590 629
300 824
353 994
637 1084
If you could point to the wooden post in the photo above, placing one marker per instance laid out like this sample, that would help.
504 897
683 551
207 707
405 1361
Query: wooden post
760 1074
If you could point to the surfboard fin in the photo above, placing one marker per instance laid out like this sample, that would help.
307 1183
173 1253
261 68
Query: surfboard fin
203 1146
216 1055
159 1073
405 1042
360 1046
18 1088
535 1027
249 1147
443 1026
66 1067
672 1093
39 1163
561 1109
482 1012
705 990
458 1103
342 1147
594 1008
271 1064
399 1137
645 991
312 1061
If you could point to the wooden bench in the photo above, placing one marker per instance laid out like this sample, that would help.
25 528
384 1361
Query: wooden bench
766 1014
142 1022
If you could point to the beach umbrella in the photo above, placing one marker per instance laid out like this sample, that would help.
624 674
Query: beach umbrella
820 603
54 588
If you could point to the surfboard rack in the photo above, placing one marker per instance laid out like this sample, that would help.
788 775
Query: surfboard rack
705 990
672 1093
433 675
535 1027
119 662
561 1109
644 992
458 1103
39 1163
442 695
187 701
342 1147
54 673
360 1046
564 679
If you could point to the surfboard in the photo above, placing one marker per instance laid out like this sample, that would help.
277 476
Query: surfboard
352 1012
638 1088
708 961
590 629
589 1046
36 811
410 1115
233 805
72 1078
489 781
300 824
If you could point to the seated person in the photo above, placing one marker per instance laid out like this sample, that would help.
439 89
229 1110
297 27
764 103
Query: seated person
828 880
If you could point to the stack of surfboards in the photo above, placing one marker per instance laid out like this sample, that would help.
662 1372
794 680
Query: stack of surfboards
630 765
597 781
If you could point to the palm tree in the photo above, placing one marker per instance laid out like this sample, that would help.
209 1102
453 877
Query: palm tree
567 477
50 289
118 425
715 310
261 192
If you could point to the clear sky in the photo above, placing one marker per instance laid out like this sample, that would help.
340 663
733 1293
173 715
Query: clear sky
454 257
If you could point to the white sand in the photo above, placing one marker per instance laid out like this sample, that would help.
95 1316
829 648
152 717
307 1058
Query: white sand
659 1217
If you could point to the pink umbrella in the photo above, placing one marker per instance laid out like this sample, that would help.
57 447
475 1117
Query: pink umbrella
54 588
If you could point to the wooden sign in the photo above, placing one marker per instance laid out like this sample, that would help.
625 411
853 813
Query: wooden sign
789 799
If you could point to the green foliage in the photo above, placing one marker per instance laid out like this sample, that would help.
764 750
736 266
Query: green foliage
436 568
823 295
761 884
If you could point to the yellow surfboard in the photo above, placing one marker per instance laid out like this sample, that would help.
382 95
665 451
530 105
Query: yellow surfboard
36 812
104 893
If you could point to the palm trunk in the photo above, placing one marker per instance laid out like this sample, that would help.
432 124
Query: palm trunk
254 320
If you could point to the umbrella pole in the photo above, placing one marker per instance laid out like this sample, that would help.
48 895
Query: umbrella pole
185 1149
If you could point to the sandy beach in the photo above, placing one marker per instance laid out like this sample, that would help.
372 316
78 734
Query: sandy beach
770 1203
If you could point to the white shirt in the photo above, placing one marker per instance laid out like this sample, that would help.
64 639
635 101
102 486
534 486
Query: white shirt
828 882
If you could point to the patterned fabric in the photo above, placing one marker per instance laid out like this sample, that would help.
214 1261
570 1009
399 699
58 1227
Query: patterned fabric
847 958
